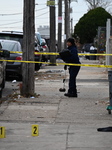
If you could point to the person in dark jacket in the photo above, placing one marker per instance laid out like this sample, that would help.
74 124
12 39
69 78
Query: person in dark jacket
73 70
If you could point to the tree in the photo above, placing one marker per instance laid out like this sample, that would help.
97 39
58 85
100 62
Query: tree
92 4
86 28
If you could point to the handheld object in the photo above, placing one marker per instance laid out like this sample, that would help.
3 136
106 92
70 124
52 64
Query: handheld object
64 54
64 81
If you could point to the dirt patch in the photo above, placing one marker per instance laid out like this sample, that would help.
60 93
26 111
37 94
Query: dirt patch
48 76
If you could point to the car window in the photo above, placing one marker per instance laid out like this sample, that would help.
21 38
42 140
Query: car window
14 37
10 46
38 36
44 41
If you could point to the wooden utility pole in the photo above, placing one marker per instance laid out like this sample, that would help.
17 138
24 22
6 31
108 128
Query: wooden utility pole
69 11
66 22
59 25
28 47
72 26
52 32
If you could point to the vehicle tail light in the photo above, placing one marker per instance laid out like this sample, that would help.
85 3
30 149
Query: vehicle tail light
36 53
44 46
19 58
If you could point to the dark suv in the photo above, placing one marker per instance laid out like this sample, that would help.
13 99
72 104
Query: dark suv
18 36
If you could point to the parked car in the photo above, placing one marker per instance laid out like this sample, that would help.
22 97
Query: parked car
86 49
38 57
89 49
45 49
13 68
43 46
4 54
18 36
38 36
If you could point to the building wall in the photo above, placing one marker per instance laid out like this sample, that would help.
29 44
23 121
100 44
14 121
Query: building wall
44 31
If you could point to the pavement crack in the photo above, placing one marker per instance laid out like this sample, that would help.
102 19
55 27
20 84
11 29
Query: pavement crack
4 103
67 136
3 109
57 110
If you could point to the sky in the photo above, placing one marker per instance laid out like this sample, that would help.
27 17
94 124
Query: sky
11 13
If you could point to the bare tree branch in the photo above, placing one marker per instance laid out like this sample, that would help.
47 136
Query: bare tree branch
92 4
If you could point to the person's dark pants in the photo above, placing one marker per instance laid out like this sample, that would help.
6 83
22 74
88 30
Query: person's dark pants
73 71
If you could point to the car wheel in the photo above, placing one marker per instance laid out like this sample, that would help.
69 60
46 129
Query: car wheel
37 67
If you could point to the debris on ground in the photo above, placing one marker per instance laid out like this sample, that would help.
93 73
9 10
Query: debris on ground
18 96
14 81
50 75
102 102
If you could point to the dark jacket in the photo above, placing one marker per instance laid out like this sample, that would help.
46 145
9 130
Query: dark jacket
74 55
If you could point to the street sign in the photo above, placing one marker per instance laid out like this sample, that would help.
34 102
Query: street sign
60 19
50 3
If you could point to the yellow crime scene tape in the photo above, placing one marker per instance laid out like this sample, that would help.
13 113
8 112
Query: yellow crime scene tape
80 54
52 53
68 64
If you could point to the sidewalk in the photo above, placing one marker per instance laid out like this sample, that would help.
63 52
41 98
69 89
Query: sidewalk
64 124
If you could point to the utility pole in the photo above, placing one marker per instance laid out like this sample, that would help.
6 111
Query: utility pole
108 26
59 25
28 47
69 11
52 32
71 25
66 36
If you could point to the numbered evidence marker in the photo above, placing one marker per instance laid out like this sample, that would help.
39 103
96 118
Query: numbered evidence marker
2 132
35 130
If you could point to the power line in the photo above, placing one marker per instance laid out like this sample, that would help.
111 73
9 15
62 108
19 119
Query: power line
10 27
10 14
79 12
21 13
41 9
22 20
42 14
11 23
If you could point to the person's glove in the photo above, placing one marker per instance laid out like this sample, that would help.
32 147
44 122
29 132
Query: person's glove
65 67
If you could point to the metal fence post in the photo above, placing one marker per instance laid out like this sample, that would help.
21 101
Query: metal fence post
107 39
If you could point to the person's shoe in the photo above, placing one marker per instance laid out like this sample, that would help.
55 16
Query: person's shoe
70 95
